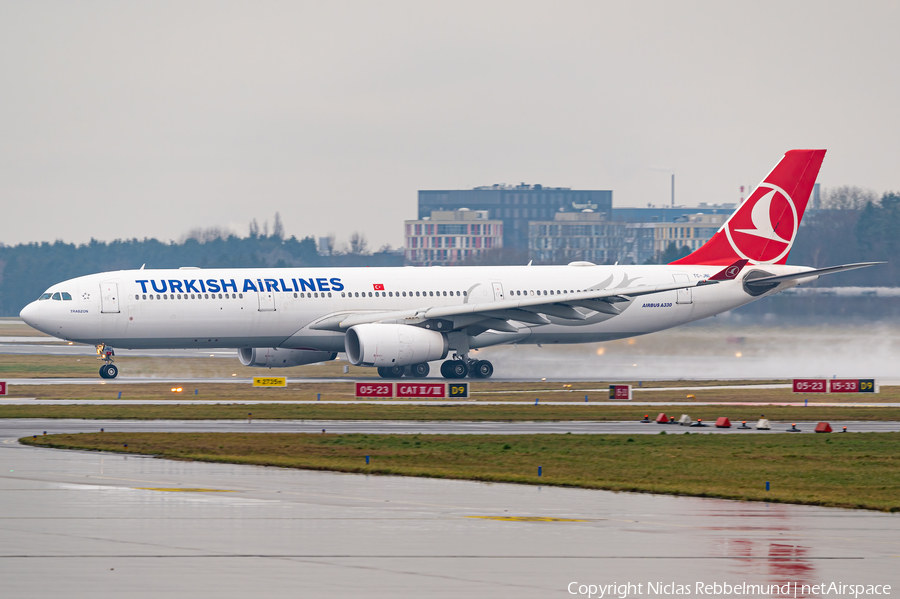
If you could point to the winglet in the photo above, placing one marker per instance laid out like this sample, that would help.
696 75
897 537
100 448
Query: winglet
729 272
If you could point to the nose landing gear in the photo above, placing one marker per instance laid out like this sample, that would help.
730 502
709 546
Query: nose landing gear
107 354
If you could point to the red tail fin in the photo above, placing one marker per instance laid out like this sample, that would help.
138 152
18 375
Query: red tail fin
762 229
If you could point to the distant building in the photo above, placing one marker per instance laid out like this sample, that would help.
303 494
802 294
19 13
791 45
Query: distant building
448 237
668 214
576 237
692 231
516 205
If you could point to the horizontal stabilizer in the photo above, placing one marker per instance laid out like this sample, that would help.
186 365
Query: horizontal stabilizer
808 273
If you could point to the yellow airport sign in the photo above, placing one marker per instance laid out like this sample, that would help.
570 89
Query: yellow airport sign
269 381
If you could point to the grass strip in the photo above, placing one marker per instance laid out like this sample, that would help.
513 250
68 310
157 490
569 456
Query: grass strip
854 471
470 412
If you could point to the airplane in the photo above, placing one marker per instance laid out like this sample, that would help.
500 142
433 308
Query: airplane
400 319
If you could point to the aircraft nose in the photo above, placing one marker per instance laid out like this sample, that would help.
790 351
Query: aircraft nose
30 314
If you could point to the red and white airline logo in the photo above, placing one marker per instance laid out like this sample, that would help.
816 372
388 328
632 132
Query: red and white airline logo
763 230
732 272
379 287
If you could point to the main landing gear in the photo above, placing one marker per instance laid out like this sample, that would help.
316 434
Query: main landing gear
461 368
458 368
416 371
107 354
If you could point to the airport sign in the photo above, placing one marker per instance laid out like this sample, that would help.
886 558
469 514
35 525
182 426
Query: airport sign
852 386
810 386
422 390
620 392
835 386
458 390
269 381
375 390
411 390
2 387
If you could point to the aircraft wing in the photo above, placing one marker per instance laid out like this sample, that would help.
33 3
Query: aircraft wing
497 314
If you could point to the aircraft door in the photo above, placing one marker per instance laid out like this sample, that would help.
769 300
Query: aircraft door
684 295
266 301
498 291
109 298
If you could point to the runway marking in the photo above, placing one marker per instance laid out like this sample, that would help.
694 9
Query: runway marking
184 490
529 519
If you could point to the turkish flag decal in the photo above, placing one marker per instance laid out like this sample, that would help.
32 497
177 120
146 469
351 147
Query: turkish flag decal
379 287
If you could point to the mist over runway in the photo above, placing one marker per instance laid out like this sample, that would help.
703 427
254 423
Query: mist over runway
720 348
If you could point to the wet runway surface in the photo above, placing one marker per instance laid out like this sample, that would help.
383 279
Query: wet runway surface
24 427
85 524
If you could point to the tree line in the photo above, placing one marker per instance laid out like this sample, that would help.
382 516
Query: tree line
26 270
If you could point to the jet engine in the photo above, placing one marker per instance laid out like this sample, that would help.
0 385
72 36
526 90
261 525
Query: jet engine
279 357
393 345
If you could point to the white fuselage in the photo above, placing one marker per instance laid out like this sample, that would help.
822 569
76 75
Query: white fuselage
244 308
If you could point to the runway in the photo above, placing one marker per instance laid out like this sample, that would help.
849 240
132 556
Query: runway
86 524
25 427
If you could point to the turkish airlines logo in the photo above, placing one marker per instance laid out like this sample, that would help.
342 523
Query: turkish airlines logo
732 272
763 230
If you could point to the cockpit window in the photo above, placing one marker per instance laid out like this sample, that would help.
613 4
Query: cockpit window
56 296
66 296
45 296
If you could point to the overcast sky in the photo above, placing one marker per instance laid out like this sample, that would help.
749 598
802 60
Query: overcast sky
131 119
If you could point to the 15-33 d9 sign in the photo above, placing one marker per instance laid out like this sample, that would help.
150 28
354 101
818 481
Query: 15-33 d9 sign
2 387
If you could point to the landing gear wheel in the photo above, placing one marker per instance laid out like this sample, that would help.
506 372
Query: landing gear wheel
390 372
454 369
104 370
481 369
418 371
111 371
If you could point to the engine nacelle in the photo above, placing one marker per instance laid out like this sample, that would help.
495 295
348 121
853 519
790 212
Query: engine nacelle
393 345
279 357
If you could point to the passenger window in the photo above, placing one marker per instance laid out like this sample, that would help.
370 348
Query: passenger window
329 294
44 296
66 296
241 295
465 293
145 297
417 294
137 297
56 296
220 296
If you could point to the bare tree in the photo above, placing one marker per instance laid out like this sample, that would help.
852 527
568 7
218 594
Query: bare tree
254 228
848 197
205 235
278 227
265 232
385 248
359 245
326 245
